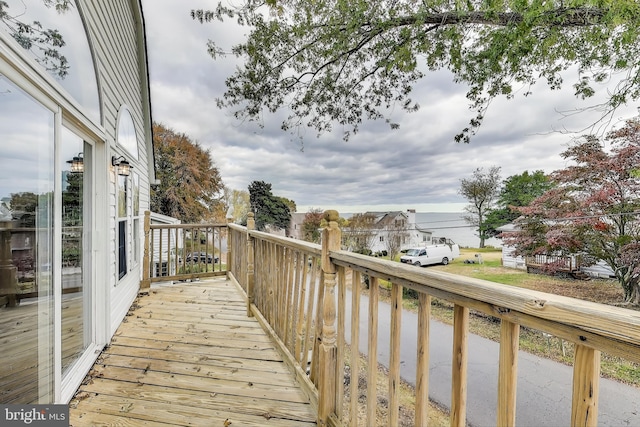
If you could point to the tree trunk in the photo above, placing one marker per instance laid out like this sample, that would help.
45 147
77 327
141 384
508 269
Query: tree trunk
634 293
631 287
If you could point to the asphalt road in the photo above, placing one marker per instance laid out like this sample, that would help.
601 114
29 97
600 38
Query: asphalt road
544 386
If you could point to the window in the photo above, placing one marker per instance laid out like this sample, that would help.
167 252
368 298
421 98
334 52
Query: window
135 179
78 76
127 132
122 225
76 167
128 198
27 228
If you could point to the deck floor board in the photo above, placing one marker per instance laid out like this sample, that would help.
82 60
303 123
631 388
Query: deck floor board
188 355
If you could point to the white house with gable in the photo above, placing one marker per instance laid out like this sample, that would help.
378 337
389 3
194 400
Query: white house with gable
397 225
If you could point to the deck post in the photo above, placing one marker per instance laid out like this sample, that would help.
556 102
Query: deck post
146 272
328 355
229 248
251 225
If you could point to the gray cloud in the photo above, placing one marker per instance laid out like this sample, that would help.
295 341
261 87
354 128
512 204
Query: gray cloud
416 165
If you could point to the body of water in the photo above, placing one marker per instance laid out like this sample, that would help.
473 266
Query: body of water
452 225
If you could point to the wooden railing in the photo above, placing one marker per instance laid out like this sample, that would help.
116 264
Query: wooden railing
554 262
182 251
298 291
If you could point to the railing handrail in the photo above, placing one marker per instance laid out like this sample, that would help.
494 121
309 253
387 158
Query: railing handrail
500 300
593 327
170 259
186 226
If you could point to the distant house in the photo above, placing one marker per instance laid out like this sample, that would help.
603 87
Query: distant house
77 163
164 261
295 226
396 225
568 264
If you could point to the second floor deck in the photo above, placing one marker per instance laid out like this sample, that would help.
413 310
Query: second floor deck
297 292
187 354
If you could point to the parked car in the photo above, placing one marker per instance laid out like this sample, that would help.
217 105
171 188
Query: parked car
202 257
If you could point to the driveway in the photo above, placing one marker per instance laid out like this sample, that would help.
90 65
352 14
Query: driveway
544 386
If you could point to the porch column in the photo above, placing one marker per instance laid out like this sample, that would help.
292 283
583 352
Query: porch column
328 360
251 225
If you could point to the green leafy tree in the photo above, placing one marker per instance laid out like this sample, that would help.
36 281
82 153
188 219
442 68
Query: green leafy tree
481 192
267 208
311 224
238 201
345 61
517 191
592 210
190 185
291 205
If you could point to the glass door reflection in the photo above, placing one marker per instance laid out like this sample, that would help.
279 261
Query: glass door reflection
76 211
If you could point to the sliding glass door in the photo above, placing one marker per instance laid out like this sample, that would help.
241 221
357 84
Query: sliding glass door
47 322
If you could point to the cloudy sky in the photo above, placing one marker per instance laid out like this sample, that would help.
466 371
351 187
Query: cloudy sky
418 166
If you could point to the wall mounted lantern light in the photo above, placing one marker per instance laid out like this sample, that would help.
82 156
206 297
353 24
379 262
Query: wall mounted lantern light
122 165
77 164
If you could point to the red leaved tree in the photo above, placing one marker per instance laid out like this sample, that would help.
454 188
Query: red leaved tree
592 211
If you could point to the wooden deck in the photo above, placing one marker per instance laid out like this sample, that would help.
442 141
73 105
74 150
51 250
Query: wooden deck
188 355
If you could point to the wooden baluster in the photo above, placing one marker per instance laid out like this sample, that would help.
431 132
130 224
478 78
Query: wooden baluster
295 311
328 350
229 248
459 366
302 273
146 276
372 352
341 340
309 337
422 374
288 309
394 356
158 273
251 225
508 373
586 385
318 334
355 352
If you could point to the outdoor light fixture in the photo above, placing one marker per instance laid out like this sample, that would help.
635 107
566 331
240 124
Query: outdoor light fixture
122 166
77 164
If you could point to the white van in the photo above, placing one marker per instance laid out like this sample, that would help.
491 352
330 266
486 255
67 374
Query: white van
434 254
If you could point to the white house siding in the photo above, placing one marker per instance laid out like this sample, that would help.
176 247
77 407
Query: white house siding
165 243
117 39
511 261
599 269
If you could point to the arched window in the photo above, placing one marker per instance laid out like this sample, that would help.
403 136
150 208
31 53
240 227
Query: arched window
127 133
76 72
